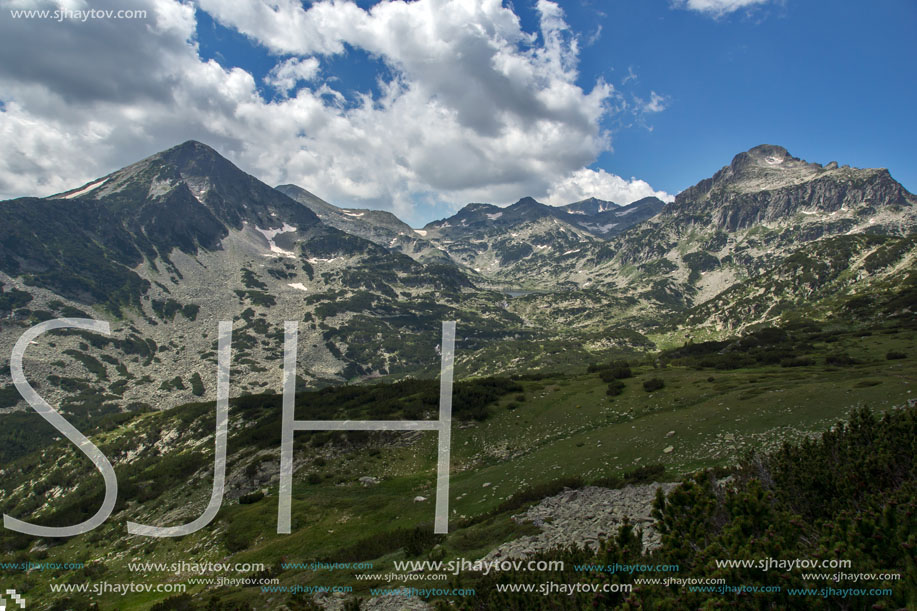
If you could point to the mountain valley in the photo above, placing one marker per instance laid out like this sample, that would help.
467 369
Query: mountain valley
599 347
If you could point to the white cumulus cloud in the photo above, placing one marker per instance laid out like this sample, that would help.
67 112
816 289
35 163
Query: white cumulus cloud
656 103
717 8
472 107
287 74
585 183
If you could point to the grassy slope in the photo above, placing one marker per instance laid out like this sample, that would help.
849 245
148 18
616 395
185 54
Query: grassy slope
565 426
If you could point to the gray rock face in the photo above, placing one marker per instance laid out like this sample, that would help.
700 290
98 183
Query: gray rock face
378 226
581 518
533 243
747 219
766 184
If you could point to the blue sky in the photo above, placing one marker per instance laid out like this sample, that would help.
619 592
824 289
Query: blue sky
422 107
829 81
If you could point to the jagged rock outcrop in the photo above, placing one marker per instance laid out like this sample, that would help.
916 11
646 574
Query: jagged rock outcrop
766 184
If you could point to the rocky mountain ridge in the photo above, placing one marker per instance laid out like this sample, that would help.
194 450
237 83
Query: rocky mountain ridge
767 184
170 245
750 216
378 226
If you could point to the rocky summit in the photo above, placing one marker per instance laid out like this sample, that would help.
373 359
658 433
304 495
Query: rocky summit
766 185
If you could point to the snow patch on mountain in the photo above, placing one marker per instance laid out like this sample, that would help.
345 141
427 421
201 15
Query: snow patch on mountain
270 234
87 188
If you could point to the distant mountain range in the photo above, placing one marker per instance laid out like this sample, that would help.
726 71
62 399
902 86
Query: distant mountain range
166 247
595 216
378 226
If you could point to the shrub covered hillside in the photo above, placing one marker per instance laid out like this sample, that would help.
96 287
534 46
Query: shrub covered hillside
852 494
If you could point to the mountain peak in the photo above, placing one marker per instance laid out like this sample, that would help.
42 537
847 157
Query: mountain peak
767 184
768 150
767 158
762 168
589 206
192 145
527 202
186 150
189 196
594 200
193 157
